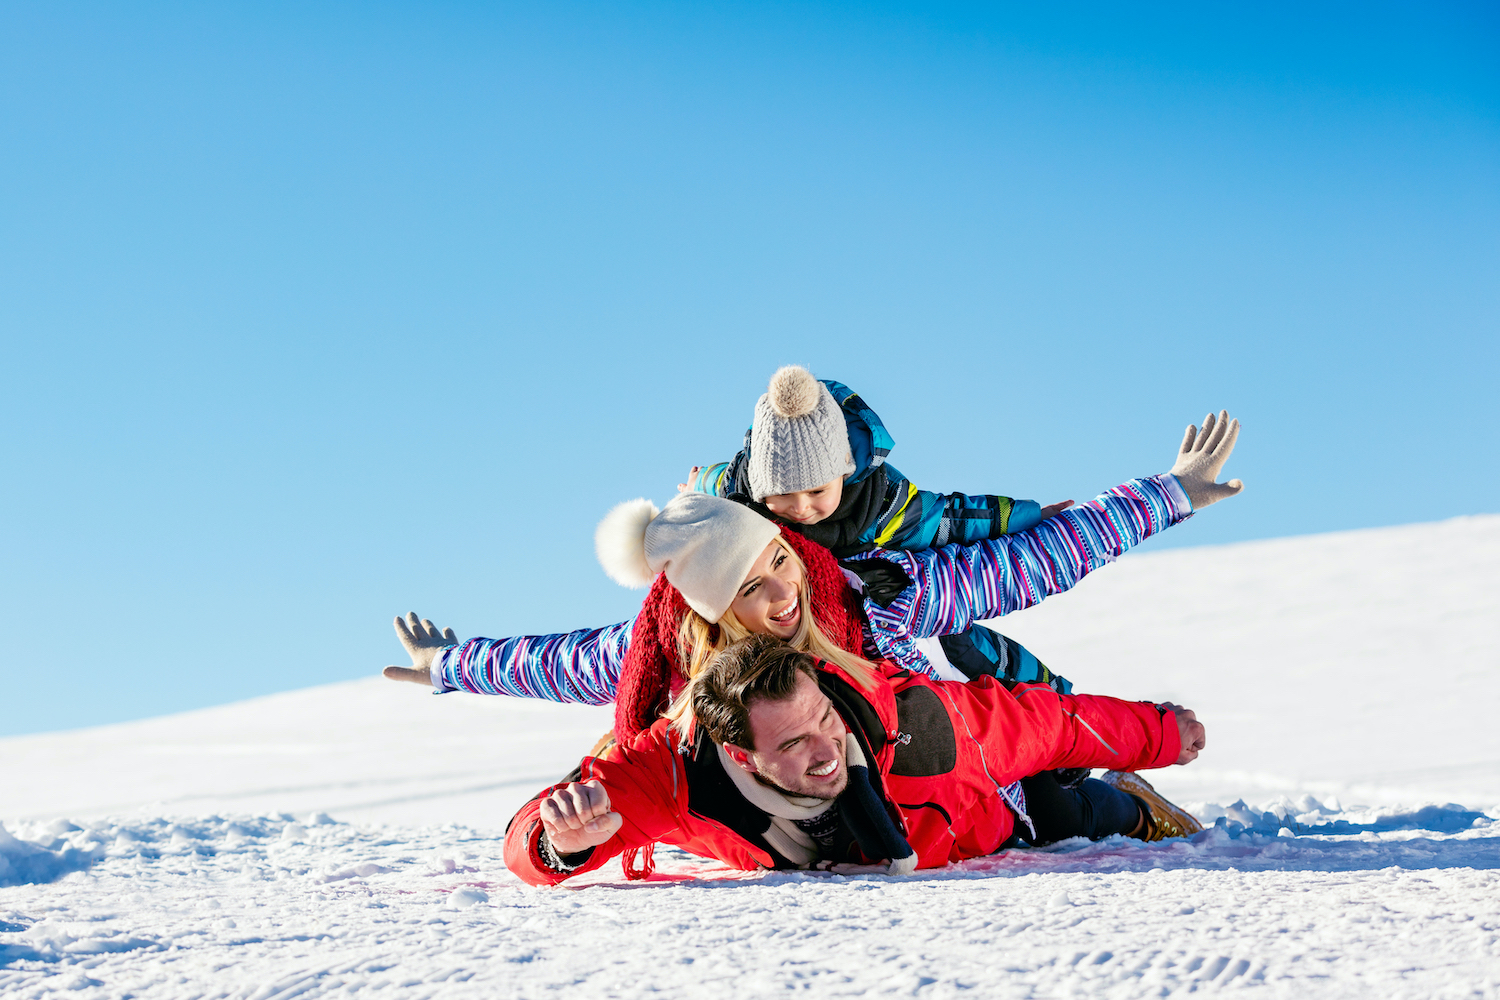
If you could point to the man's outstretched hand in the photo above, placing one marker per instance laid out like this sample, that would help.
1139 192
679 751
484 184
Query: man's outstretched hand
422 640
577 817
1189 730
1202 456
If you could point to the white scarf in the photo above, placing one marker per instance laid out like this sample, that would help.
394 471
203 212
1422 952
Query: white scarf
788 839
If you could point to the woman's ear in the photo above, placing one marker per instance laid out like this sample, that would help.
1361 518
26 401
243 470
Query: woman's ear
741 757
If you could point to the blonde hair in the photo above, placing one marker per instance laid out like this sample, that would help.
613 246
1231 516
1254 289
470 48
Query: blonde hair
699 643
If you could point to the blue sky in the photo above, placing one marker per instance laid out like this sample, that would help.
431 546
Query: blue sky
314 314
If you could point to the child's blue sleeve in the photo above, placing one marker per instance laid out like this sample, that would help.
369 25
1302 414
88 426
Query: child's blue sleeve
914 519
712 479
725 478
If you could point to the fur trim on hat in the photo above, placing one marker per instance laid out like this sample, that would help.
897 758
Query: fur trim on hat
620 542
793 391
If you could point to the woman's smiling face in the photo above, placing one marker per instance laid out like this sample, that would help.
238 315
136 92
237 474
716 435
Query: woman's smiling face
769 599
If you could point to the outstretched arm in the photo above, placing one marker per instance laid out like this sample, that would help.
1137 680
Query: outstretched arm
1032 728
582 666
1095 731
921 519
950 588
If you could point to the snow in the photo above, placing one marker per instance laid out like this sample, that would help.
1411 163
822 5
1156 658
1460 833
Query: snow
347 838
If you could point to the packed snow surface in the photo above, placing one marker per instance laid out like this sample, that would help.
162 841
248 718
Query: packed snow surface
347 838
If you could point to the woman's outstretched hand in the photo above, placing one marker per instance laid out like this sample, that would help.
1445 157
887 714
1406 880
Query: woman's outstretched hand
1202 455
422 640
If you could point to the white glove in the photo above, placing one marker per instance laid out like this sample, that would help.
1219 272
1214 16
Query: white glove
1201 457
422 640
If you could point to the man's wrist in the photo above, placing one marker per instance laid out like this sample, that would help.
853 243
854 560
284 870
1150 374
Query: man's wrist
560 863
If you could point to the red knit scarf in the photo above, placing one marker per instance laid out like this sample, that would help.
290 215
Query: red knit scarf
651 660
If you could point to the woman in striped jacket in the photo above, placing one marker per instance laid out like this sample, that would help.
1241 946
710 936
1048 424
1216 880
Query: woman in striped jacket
879 603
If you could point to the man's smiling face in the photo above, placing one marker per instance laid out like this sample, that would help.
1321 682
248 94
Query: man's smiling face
799 743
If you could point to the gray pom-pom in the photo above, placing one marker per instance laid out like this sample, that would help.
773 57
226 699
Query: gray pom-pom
620 543
793 392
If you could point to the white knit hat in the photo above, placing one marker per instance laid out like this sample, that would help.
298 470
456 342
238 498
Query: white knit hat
799 440
706 545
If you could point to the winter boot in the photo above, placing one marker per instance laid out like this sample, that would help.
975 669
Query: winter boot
1162 818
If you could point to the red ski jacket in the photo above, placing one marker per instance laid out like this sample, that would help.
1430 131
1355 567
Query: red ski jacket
939 752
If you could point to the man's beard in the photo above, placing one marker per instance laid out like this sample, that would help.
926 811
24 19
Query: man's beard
843 764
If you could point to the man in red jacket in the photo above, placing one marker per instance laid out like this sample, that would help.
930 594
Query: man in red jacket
791 762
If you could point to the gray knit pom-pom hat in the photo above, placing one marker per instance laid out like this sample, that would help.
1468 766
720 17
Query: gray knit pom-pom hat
799 440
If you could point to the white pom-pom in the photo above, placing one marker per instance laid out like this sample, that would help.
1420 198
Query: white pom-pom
793 392
620 543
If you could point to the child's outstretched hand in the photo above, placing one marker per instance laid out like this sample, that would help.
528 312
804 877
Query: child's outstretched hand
1202 456
422 640
692 475
1054 509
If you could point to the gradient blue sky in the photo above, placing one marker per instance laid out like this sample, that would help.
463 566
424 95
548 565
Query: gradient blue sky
313 314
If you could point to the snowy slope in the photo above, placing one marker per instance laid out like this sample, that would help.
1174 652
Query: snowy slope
347 838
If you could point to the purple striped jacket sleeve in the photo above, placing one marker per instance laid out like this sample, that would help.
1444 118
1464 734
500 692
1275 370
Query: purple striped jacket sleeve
956 585
581 667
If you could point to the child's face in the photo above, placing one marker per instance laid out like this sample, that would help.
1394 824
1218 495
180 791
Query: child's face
808 506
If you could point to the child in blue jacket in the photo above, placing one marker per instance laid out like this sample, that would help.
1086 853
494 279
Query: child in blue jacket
814 459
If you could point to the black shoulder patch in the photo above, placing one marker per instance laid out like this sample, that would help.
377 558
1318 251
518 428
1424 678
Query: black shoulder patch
927 744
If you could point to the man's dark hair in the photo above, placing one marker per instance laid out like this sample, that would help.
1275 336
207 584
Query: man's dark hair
754 668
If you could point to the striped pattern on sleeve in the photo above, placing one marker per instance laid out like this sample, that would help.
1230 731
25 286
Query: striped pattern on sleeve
580 667
954 586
